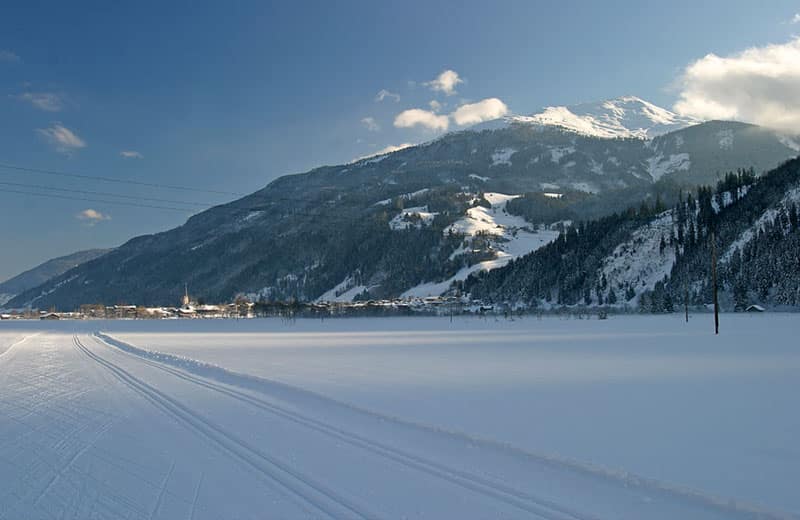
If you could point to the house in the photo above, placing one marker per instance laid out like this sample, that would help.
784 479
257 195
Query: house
187 312
50 316
210 311
122 312
755 308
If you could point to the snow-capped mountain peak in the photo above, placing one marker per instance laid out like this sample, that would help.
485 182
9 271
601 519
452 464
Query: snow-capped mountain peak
627 116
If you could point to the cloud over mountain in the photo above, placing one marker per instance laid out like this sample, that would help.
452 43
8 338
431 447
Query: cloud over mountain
758 85
419 117
484 110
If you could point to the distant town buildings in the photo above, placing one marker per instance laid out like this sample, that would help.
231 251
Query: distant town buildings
243 308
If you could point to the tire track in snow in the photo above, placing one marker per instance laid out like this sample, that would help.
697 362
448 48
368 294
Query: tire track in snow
543 508
312 493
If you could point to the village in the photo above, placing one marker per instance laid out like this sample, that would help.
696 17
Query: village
243 308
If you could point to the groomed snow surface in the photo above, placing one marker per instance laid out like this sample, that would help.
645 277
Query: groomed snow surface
628 418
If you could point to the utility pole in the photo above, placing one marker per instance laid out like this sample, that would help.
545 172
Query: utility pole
714 281
686 299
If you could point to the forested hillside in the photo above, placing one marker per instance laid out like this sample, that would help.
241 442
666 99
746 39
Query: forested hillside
654 259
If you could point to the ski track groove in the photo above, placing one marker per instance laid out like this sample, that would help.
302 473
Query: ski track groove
543 508
110 493
11 347
196 497
290 480
161 491
55 478
60 443
625 480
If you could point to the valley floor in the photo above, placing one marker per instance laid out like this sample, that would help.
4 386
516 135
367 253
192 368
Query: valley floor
627 418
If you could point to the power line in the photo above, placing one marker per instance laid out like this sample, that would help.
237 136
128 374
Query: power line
105 194
87 199
110 179
238 204
330 218
152 206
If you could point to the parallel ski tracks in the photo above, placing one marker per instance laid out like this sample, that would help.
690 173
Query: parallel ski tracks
311 493
542 508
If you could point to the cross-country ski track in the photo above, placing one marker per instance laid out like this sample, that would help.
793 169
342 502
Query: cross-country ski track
96 427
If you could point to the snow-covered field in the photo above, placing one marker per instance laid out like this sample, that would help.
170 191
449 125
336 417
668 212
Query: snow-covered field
631 417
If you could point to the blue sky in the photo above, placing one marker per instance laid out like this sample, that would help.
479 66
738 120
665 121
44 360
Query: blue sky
228 96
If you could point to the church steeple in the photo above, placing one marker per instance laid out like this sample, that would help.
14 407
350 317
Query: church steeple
186 300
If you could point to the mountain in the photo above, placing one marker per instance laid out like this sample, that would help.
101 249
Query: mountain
623 117
413 221
43 272
653 259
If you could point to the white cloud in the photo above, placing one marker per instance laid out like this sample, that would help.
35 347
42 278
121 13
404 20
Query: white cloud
467 114
370 124
796 18
435 105
387 149
445 82
419 117
759 85
7 56
484 110
131 154
46 101
383 94
62 138
92 217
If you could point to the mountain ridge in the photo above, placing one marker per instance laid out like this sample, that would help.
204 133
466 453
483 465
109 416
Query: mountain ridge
621 117
304 235
45 271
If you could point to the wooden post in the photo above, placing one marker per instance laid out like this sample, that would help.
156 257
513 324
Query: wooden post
714 282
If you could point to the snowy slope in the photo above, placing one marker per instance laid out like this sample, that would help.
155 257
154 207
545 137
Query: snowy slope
626 116
768 217
658 165
344 291
412 218
510 236
639 262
